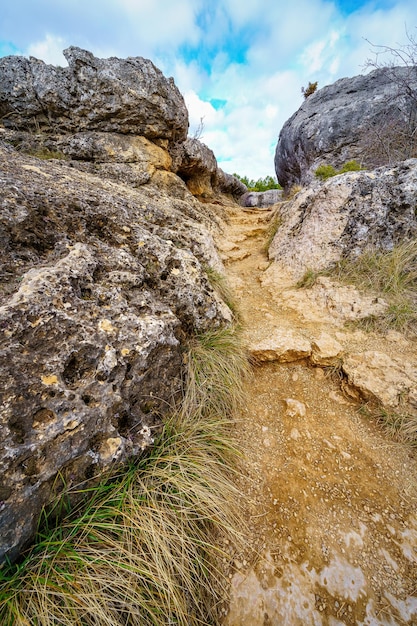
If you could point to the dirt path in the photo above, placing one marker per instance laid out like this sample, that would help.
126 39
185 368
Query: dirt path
330 500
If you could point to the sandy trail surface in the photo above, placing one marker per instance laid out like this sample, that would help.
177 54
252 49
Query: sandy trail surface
330 499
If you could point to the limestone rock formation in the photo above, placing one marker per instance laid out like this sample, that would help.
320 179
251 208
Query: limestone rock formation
389 380
342 122
103 280
198 167
128 96
283 345
345 215
261 199
101 287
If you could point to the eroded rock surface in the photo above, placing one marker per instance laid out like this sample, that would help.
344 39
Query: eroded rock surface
342 122
103 279
102 285
197 166
128 96
345 215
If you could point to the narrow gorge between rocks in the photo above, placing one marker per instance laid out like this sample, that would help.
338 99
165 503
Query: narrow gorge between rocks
123 357
330 499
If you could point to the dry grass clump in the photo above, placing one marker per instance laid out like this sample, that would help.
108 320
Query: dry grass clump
391 274
400 426
274 224
290 193
220 284
308 279
144 550
388 274
216 365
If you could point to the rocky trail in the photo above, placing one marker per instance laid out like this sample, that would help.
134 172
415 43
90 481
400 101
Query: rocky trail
330 498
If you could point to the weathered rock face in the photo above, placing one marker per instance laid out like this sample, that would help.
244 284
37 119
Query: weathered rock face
198 168
261 199
345 215
102 280
340 123
229 185
101 287
389 380
128 96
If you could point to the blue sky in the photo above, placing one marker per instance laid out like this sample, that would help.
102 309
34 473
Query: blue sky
240 64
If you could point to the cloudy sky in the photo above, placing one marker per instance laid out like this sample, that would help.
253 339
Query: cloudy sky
240 64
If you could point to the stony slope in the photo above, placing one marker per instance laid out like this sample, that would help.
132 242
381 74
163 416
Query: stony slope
330 499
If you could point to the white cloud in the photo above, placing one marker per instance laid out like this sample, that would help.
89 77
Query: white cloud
162 23
245 60
202 112
320 53
49 50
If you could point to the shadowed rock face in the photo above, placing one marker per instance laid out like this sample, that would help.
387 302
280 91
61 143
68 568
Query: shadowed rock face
341 122
102 280
198 168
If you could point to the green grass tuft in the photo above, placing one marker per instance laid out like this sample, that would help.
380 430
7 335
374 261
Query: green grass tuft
45 154
350 166
323 172
400 426
143 550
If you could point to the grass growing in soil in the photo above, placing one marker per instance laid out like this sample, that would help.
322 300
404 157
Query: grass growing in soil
391 275
219 283
143 551
400 426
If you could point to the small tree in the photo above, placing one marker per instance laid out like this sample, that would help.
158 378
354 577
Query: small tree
393 136
310 89
198 133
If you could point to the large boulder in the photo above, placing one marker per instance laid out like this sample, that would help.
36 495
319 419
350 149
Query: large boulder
103 280
359 118
198 167
346 215
102 286
128 96
261 199
230 185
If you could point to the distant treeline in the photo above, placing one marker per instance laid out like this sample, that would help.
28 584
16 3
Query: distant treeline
262 184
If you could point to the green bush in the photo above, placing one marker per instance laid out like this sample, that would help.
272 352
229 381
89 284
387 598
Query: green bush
327 171
350 166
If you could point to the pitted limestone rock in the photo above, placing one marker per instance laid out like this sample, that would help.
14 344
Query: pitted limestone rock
101 287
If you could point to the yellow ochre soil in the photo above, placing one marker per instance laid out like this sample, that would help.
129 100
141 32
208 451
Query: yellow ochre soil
329 498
